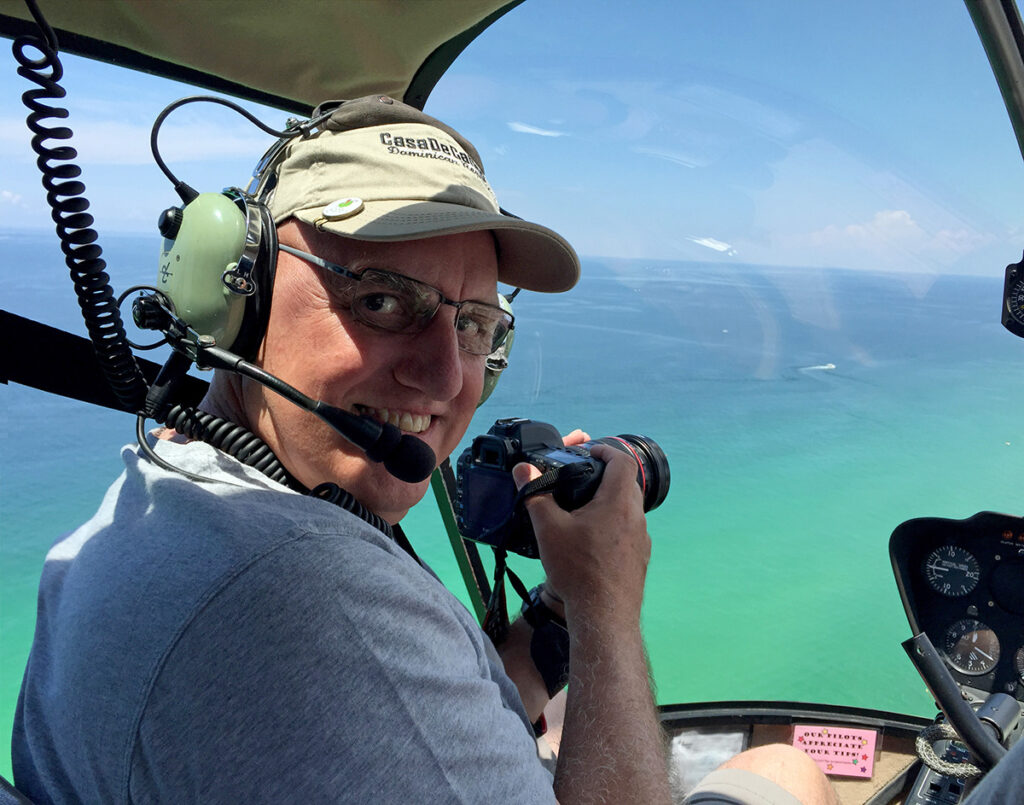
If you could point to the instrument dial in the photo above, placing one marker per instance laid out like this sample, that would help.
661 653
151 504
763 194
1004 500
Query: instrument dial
1013 301
971 647
952 571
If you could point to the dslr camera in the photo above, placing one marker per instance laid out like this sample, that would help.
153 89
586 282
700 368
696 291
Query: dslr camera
485 505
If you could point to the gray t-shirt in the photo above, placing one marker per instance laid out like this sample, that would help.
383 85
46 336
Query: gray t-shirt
1003 785
236 642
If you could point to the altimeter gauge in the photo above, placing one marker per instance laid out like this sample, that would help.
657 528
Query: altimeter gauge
952 571
1013 299
971 647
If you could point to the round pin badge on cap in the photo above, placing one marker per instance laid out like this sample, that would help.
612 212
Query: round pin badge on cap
342 208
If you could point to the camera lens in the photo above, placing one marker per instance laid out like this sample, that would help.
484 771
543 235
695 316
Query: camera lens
652 471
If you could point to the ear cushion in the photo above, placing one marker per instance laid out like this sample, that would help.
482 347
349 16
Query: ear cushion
497 361
257 309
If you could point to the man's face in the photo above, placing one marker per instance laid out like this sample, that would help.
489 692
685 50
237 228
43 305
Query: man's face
420 382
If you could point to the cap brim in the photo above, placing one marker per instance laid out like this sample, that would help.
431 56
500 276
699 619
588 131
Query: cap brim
530 256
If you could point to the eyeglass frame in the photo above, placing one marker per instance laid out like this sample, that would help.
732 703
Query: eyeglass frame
348 273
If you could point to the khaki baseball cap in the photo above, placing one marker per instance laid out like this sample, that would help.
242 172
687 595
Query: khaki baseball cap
378 169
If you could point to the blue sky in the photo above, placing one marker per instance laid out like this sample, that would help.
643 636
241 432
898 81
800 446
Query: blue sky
867 135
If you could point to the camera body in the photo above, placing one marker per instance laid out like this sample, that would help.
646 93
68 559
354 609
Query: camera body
485 509
486 492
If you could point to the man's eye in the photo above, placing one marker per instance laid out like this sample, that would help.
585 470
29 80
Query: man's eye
380 304
470 326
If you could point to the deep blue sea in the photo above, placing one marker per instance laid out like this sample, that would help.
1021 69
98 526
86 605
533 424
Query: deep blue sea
805 413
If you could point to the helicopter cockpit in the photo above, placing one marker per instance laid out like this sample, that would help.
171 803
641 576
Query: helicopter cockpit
798 228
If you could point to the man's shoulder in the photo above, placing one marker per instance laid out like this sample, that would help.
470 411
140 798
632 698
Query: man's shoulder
232 517
332 662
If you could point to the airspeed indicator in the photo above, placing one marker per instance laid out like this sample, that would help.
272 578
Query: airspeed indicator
1013 299
952 571
971 647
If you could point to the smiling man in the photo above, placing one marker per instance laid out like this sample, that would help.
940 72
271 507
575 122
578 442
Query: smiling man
420 380
212 635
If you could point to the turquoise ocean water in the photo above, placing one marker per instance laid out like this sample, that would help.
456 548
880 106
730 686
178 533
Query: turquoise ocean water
805 413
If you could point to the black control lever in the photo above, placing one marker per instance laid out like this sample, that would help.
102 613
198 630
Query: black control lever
947 782
1000 712
976 734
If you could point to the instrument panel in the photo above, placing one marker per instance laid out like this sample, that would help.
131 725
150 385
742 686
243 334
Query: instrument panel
962 584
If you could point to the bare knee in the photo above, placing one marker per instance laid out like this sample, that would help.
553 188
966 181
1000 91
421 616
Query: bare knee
789 768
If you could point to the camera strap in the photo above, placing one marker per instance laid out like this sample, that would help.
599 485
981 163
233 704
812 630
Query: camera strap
496 621
549 480
549 643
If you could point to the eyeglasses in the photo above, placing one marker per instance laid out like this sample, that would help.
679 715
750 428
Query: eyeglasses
393 302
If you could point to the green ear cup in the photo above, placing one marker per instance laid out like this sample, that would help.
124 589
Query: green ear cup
209 242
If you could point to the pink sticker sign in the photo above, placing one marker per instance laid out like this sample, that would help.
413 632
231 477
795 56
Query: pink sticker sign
844 751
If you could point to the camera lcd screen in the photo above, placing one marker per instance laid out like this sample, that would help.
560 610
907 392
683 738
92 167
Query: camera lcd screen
557 456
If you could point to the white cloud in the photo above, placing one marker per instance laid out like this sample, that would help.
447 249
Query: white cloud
891 240
526 129
114 143
7 197
887 227
896 229
829 206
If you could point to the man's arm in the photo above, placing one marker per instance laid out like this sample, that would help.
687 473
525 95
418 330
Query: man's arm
596 558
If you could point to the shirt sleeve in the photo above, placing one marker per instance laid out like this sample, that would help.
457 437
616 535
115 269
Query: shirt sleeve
1004 783
332 670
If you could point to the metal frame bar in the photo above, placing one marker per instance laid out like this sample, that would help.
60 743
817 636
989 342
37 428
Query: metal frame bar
999 26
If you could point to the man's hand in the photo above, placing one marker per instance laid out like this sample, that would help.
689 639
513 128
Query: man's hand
595 556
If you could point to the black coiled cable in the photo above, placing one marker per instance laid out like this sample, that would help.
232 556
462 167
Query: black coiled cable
68 208
333 493
232 439
248 448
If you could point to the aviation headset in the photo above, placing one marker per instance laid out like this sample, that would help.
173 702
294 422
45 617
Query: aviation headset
219 256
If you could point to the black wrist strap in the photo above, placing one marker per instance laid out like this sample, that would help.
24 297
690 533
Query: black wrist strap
537 613
549 644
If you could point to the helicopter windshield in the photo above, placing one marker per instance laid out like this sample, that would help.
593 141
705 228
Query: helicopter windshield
793 221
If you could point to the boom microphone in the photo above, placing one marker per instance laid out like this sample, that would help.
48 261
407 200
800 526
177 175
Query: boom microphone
407 458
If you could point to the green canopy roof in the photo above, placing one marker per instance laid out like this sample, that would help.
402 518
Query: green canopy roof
286 53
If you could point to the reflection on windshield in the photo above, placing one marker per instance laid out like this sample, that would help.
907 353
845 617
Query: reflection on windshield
808 135
794 224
